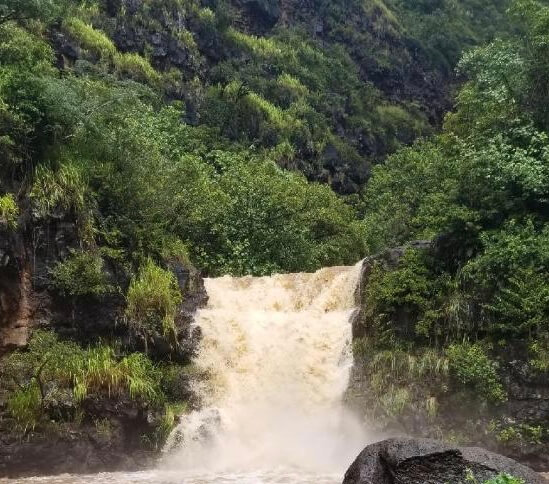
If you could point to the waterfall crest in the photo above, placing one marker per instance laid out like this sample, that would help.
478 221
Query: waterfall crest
277 354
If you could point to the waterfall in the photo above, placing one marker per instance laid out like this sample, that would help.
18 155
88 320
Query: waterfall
277 354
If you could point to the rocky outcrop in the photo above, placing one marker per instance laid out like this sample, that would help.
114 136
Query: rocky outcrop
422 461
111 436
28 299
15 289
109 440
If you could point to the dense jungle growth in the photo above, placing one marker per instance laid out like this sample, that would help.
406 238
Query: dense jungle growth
143 142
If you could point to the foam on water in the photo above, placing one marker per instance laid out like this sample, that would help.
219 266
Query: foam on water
277 353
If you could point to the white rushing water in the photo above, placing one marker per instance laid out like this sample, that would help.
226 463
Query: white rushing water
276 352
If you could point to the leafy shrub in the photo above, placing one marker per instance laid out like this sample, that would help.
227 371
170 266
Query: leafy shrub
472 367
82 273
539 353
518 434
9 211
432 301
153 298
19 10
522 305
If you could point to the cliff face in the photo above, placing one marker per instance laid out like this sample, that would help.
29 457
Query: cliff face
29 300
102 432
411 388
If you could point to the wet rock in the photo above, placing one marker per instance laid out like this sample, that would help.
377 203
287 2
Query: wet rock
423 461
78 451
109 439
260 15
16 305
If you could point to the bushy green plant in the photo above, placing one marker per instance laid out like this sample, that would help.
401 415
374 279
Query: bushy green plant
152 301
518 434
472 367
82 273
539 353
22 10
504 479
64 189
9 211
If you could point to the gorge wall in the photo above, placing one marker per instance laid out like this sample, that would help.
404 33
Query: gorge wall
408 387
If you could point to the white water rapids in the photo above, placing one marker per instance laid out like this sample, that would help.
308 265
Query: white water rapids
276 352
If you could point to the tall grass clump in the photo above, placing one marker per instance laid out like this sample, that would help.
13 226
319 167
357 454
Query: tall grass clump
63 189
89 38
153 298
50 367
136 66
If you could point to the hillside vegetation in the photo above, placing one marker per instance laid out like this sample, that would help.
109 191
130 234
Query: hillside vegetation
463 329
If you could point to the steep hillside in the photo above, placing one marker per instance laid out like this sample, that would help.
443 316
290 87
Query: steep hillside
334 86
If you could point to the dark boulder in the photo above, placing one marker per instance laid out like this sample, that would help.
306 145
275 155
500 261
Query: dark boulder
424 461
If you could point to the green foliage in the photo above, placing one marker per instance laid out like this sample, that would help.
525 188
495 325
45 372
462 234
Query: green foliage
518 434
21 10
471 366
434 303
153 299
63 189
522 306
136 66
479 190
446 28
48 366
99 370
504 479
9 211
539 352
82 273
23 57
90 38
114 154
